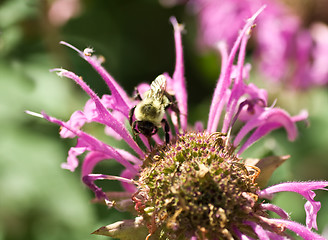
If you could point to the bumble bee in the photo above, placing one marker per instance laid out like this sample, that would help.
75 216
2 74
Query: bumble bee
149 112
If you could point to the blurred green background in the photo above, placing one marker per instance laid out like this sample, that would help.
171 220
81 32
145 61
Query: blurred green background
38 199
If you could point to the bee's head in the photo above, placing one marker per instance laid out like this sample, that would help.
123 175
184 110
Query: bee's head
147 128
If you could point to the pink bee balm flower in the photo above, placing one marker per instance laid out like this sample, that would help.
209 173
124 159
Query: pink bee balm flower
193 185
285 51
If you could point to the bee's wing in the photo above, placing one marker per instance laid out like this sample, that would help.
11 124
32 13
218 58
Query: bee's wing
158 87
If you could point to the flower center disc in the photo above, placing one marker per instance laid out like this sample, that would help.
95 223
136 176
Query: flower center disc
196 186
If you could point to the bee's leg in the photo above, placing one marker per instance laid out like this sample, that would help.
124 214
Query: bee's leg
131 113
135 130
150 147
173 103
154 131
137 96
166 130
174 108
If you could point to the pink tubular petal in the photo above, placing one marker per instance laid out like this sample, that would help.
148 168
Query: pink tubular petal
105 116
219 93
224 79
302 116
93 144
116 90
268 120
223 49
72 161
219 107
275 236
76 121
89 181
260 232
111 131
299 229
241 235
127 186
94 177
298 187
238 88
258 133
90 161
257 93
312 208
306 190
275 209
269 126
131 158
119 94
93 158
179 82
90 110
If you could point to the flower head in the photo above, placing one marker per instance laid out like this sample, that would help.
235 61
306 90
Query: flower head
195 185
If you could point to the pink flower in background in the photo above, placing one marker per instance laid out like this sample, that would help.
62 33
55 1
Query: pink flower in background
61 11
285 51
196 186
319 70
